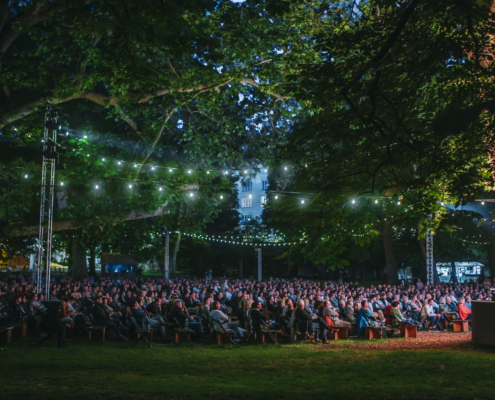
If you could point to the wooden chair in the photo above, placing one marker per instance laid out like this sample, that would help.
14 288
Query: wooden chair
224 336
182 334
268 335
7 330
142 334
100 329
460 325
341 332
408 331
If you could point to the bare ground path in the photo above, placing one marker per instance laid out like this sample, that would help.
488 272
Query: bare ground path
424 341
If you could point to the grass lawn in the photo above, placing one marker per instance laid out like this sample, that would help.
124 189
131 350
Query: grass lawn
90 370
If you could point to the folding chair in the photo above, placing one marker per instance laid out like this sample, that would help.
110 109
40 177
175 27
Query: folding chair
392 330
265 329
182 333
297 331
223 335
141 333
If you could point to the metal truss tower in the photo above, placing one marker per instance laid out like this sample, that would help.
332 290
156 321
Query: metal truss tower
47 195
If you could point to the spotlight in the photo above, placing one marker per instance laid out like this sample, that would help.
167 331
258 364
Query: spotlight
85 137
221 197
96 186
302 201
482 203
102 159
276 197
207 172
376 201
153 168
353 201
61 184
25 176
398 203
130 186
160 189
285 168
120 163
189 171
191 195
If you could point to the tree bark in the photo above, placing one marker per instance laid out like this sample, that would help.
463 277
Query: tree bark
23 230
390 261
79 268
174 257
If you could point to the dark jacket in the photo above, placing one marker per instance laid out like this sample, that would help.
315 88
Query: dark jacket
99 313
257 318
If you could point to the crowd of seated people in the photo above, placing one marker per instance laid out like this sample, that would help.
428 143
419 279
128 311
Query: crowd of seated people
239 305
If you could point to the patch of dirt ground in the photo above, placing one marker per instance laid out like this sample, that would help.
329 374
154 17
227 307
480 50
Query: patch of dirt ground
424 341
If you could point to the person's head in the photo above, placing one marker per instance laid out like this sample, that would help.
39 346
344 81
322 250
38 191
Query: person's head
461 300
99 300
301 304
364 304
395 304
430 302
216 305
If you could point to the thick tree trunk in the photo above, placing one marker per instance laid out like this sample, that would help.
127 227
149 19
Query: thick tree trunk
92 260
79 268
174 257
25 230
390 261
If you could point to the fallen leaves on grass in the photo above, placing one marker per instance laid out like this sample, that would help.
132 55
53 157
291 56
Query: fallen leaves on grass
424 341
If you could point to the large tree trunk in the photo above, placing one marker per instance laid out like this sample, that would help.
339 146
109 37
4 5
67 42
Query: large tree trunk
174 257
25 230
79 268
390 261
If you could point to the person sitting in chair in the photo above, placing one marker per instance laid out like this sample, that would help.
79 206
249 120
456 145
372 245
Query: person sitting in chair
222 319
463 310
181 315
258 319
305 318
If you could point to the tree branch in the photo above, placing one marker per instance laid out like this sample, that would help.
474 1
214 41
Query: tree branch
58 226
154 142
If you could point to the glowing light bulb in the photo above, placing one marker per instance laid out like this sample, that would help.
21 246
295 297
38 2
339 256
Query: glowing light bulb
482 203
285 168
85 137
67 134
61 184
130 186
353 201
245 171
160 189
153 168
191 195
96 187
119 162
221 197
302 201
276 197
170 170
25 176
189 171
376 201
442 203
102 159
250 196
135 165
265 170
398 203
